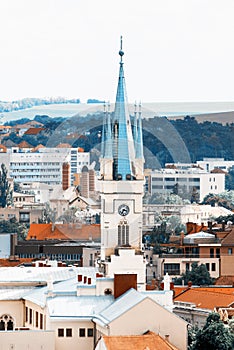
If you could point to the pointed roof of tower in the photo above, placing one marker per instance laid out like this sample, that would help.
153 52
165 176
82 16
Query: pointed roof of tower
123 141
139 143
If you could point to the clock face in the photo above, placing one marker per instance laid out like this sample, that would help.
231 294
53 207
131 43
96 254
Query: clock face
123 210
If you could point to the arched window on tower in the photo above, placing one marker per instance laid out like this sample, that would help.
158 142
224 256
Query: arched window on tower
6 323
123 233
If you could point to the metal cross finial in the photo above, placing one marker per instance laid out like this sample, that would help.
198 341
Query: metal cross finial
121 53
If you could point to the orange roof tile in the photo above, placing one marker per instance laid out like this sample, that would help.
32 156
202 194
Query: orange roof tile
218 171
150 341
24 144
3 148
64 232
63 145
37 147
207 298
16 262
33 131
229 239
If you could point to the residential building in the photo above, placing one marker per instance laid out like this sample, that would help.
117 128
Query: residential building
194 304
42 164
195 182
194 212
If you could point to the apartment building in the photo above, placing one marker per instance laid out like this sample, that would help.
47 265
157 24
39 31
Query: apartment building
44 165
190 181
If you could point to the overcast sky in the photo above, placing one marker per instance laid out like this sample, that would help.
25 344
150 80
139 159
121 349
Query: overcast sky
175 50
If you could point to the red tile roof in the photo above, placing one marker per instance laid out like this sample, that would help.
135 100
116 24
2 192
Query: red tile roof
64 232
207 298
15 262
229 239
24 144
33 131
149 341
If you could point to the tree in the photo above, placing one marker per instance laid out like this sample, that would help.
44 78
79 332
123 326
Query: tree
13 226
199 275
6 193
224 199
213 336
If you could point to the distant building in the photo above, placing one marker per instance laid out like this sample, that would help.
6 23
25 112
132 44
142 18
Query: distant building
42 164
193 181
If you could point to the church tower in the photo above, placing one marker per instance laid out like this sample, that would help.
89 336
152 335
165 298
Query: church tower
121 186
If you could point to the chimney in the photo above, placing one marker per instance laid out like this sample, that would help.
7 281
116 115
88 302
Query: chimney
223 225
210 226
124 282
166 282
65 176
79 278
84 182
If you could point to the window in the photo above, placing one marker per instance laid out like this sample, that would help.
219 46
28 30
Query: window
217 253
68 332
229 251
169 187
36 318
211 252
187 266
82 332
208 266
60 332
6 323
213 267
26 314
90 332
41 321
169 179
30 316
157 179
108 291
172 269
123 233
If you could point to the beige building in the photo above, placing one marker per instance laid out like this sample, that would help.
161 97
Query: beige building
83 306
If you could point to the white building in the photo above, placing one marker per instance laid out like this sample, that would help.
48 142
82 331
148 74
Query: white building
188 180
195 213
43 165
79 308
210 164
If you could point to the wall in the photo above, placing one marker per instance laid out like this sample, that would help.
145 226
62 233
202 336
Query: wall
148 315
227 263
14 308
74 342
25 340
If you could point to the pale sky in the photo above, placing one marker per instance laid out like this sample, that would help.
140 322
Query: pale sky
175 50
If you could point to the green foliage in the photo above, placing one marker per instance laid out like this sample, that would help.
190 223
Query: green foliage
198 275
6 193
226 219
229 179
13 226
213 336
224 199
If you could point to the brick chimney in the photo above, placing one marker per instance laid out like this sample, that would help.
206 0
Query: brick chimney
65 176
124 282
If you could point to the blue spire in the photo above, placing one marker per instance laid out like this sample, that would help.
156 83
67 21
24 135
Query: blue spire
135 126
139 143
103 132
108 142
123 140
